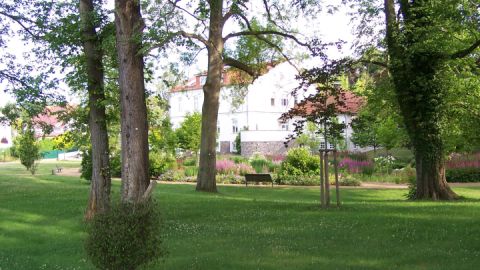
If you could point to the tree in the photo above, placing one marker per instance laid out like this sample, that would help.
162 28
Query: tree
188 133
426 38
365 131
28 149
210 18
99 199
64 141
134 127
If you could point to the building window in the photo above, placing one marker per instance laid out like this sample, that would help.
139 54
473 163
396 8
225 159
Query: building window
284 126
218 129
284 102
322 145
272 101
234 126
4 140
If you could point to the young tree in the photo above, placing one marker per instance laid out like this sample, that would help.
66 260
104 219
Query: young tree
134 134
188 133
28 149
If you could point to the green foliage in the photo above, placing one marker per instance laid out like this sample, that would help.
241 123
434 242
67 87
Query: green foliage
238 159
299 162
160 163
188 133
116 164
86 166
347 181
190 162
462 175
259 163
298 180
65 141
161 136
126 237
46 144
28 150
191 171
238 144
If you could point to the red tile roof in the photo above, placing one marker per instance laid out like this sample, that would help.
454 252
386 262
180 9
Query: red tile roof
352 104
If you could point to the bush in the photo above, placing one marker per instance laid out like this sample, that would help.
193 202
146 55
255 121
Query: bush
230 179
295 180
190 162
191 171
243 168
225 166
299 162
238 159
348 181
86 166
463 175
126 237
259 162
172 176
160 163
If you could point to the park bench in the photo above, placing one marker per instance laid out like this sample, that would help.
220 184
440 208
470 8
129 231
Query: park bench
59 169
258 177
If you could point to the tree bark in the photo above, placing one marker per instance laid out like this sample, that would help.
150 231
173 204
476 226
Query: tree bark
420 98
134 127
206 175
322 182
99 199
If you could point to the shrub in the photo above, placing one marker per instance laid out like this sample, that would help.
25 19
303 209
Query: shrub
160 163
259 162
225 166
299 161
243 168
238 159
191 171
463 175
190 162
296 180
356 166
86 166
230 179
126 237
172 176
348 181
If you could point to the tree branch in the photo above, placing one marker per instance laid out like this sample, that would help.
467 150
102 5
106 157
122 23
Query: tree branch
467 51
267 32
241 66
19 20
378 63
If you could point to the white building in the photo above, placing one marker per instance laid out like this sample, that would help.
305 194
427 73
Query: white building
256 119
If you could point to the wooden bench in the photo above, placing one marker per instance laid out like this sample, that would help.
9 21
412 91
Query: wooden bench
258 177
59 169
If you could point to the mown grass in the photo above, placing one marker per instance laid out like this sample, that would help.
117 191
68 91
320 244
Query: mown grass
41 227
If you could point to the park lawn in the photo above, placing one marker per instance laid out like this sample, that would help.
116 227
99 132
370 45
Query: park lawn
41 227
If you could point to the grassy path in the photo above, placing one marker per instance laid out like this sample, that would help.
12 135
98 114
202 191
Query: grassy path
41 227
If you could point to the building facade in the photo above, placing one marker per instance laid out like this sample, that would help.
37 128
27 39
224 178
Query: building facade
252 113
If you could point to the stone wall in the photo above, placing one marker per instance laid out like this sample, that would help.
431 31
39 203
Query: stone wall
266 148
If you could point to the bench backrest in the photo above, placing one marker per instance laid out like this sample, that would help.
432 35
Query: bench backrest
258 177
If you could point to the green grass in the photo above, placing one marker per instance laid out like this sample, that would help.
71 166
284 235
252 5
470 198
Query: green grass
41 227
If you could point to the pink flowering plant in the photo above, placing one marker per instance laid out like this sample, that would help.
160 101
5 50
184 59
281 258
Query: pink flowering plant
355 166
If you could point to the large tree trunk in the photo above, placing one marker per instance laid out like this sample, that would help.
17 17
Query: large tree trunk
99 200
134 127
211 90
420 98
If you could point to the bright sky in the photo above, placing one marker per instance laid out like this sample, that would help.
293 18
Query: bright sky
329 27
